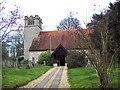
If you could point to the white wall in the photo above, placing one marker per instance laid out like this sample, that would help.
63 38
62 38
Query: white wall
30 32
35 54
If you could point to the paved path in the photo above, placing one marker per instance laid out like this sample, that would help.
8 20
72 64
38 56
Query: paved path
54 78
57 79
42 83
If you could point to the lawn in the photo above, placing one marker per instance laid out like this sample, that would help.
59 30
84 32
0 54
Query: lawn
87 78
13 78
0 78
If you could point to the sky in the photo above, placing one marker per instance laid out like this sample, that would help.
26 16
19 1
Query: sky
53 11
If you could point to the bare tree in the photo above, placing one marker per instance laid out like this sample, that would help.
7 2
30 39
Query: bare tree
100 59
17 42
103 48
10 22
70 22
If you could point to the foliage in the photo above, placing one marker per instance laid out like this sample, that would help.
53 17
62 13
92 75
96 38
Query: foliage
87 78
76 59
45 57
114 24
70 22
103 49
112 17
13 78
24 61
11 60
95 36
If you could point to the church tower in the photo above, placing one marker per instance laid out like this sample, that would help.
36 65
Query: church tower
32 28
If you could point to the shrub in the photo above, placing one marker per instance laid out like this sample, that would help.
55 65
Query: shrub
76 59
11 60
24 61
45 57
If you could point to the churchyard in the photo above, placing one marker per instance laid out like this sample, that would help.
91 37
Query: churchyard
70 56
87 78
12 78
77 77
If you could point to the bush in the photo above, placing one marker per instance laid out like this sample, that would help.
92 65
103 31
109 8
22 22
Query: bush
24 61
45 57
11 60
75 59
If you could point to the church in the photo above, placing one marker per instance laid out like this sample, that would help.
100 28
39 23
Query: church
36 41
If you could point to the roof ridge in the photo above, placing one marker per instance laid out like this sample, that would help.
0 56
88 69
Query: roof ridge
67 30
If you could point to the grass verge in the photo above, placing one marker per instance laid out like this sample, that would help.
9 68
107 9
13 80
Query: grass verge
0 78
12 78
87 78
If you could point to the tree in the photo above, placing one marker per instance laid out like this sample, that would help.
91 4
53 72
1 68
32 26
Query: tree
102 60
13 52
10 22
95 35
70 22
113 17
98 52
114 25
17 43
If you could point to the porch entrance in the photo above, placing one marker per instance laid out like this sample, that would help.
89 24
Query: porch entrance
59 55
61 61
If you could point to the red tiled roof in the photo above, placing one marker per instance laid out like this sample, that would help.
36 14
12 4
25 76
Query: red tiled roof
65 37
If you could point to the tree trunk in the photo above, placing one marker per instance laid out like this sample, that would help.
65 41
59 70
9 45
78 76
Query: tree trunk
103 79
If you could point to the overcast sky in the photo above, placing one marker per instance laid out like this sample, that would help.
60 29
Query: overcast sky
53 11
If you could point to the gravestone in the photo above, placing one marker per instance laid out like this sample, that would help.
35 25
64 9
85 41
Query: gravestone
27 67
44 63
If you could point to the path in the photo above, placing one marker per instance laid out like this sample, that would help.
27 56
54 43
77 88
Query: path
54 78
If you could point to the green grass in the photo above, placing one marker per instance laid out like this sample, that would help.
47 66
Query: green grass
0 78
13 78
87 78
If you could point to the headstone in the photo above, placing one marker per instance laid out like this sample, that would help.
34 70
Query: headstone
18 67
44 63
33 64
36 64
27 67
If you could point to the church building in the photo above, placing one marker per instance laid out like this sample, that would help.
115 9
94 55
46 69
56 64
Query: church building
37 41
